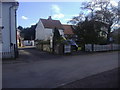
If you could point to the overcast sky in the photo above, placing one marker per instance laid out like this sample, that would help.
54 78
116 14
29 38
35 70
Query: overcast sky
30 12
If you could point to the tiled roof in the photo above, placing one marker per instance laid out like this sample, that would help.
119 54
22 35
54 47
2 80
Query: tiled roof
68 29
49 23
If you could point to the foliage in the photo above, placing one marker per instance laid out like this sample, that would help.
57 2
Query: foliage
20 27
116 36
56 34
28 33
89 32
57 38
97 10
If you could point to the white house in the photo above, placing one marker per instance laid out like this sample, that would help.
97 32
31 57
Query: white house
44 29
8 33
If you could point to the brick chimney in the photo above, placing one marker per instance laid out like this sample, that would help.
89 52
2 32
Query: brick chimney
49 18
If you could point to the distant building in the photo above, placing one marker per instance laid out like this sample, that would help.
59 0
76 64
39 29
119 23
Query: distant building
69 32
44 29
8 32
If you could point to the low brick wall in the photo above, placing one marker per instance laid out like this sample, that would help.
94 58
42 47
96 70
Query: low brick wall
43 47
59 49
46 47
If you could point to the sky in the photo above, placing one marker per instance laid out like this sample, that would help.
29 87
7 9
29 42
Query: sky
29 13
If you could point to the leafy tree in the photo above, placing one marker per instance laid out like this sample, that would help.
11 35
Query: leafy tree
20 27
99 10
28 33
56 34
116 36
89 31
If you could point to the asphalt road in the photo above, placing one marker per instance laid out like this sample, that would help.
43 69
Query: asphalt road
35 69
107 79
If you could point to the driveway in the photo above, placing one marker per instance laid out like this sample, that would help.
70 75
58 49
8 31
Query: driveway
36 69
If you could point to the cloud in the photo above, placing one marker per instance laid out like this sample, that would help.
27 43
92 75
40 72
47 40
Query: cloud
67 19
56 8
57 12
32 24
58 16
24 17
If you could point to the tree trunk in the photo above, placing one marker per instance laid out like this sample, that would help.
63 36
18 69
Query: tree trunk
108 35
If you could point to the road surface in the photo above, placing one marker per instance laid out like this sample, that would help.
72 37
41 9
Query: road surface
36 69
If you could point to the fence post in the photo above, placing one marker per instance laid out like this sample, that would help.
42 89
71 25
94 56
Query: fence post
92 46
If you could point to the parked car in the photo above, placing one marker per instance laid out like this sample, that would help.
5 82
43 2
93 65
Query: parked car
73 44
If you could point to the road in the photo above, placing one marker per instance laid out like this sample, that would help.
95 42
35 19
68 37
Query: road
36 69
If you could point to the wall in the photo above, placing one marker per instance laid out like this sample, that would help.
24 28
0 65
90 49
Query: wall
0 29
28 43
48 33
61 32
6 30
40 35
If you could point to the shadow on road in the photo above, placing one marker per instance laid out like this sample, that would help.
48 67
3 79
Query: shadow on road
107 79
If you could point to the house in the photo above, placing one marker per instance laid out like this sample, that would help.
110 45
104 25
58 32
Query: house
8 32
18 38
69 32
45 27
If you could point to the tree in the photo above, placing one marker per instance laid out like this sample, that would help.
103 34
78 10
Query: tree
28 33
116 36
89 31
20 27
56 34
102 11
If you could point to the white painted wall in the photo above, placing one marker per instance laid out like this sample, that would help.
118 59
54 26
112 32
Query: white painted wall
61 32
45 33
48 33
40 35
29 43
0 28
6 30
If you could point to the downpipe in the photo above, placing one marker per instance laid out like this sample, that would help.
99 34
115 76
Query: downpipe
14 46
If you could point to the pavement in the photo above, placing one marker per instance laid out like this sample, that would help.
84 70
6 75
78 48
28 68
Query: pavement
36 69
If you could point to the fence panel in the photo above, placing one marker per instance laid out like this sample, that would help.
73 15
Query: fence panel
88 47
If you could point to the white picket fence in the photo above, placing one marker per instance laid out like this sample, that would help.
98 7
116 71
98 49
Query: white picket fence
88 47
